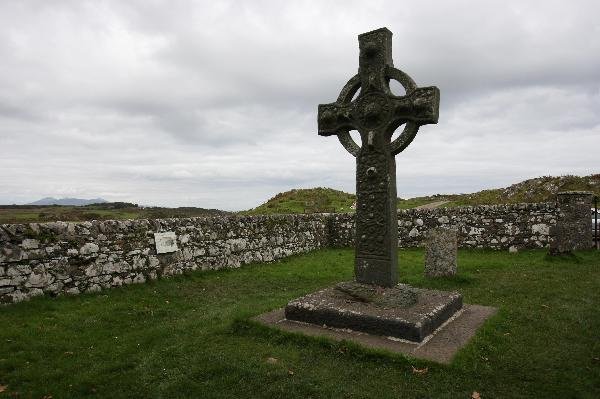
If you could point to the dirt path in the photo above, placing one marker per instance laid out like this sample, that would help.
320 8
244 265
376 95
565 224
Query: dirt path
432 205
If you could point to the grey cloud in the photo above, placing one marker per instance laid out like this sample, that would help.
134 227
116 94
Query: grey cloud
214 103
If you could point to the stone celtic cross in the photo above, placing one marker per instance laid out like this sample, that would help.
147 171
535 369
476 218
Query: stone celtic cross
376 113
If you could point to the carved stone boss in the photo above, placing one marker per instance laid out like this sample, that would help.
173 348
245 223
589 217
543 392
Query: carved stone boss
376 113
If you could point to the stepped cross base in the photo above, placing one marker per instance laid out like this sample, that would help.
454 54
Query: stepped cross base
401 311
439 347
375 303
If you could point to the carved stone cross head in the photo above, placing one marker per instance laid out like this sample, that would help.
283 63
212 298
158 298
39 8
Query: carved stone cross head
376 113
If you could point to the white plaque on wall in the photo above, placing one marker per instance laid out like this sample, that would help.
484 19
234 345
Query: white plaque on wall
165 242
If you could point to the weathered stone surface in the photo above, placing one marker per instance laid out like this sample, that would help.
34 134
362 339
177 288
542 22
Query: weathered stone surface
166 242
336 308
375 114
399 296
375 304
10 252
39 278
29 243
441 249
439 347
484 226
89 249
573 228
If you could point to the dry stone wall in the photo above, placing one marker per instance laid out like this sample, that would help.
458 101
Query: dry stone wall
70 258
484 226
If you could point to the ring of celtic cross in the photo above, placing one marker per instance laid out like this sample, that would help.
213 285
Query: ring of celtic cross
373 109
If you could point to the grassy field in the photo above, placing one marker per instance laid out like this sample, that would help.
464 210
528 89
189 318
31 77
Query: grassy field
295 201
414 202
189 336
40 214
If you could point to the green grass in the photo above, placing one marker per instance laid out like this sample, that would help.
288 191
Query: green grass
541 189
306 201
40 214
190 336
414 202
320 200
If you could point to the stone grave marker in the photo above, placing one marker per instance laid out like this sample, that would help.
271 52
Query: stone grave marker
375 303
441 247
573 230
376 114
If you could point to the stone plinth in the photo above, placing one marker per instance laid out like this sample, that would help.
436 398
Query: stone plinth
401 311
439 347
573 228
441 250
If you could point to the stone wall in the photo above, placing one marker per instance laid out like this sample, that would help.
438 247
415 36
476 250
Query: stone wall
58 258
484 226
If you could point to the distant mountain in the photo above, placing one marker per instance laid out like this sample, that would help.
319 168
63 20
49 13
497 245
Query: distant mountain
68 201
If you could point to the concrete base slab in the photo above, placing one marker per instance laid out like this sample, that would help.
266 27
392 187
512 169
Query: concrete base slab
440 346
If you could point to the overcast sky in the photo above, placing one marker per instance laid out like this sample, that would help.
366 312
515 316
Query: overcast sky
213 103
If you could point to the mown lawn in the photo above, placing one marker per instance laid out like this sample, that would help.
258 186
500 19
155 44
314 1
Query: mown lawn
189 337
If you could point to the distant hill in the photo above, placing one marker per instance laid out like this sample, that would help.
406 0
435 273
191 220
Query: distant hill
541 189
306 200
68 201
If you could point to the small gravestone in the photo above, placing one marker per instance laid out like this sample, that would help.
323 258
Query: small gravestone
165 242
440 255
573 230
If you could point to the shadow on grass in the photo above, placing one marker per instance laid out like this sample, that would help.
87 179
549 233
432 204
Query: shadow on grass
452 283
254 329
568 257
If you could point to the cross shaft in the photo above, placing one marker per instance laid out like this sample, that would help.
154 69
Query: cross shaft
376 113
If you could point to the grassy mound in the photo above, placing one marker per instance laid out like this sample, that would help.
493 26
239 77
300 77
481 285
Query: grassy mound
310 200
541 189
